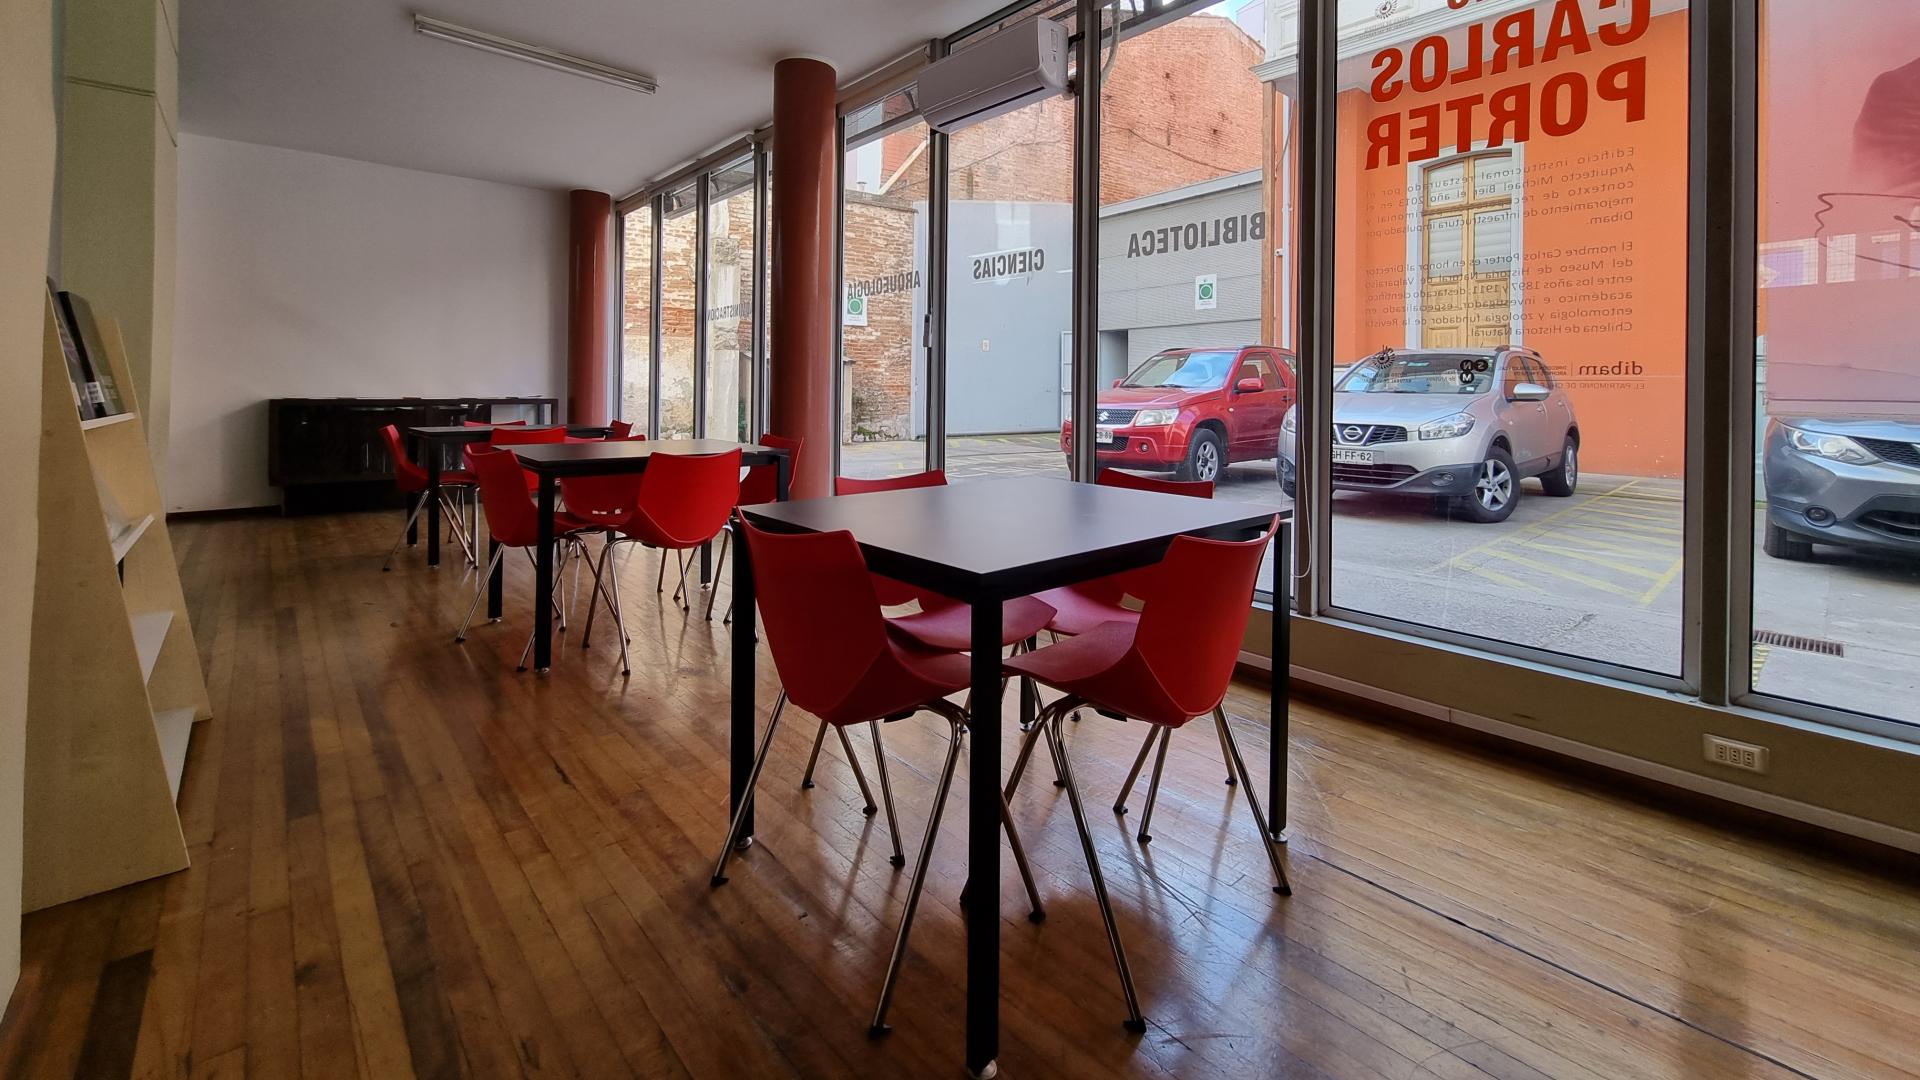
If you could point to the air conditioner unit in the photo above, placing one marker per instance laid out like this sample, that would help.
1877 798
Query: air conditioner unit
1012 67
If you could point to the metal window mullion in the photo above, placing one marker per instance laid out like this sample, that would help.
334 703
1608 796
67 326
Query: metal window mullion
934 330
1313 308
757 331
1719 320
702 249
1086 236
838 361
656 324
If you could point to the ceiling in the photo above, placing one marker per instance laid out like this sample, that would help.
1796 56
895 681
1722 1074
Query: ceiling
352 79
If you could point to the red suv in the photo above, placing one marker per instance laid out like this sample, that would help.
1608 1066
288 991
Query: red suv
1194 411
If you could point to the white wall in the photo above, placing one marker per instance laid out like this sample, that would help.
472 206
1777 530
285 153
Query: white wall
303 275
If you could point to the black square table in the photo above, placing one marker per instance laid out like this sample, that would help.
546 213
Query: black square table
439 436
553 462
986 542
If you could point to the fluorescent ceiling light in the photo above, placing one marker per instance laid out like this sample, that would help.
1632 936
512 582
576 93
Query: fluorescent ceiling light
534 54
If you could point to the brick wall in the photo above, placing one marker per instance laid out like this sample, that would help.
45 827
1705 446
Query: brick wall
879 253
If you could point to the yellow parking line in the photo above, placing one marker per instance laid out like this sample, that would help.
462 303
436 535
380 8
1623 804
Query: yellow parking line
1653 591
1598 560
1545 568
1499 578
1621 530
1650 524
1594 545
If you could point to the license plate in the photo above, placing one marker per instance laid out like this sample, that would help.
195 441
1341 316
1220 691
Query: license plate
1104 434
1352 457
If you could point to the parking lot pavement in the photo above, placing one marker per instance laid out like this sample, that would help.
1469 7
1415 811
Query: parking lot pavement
1597 575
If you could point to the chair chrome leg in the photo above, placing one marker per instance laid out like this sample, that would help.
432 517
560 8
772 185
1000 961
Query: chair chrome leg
681 594
726 541
456 517
886 793
1036 911
1225 754
1285 887
1134 1023
660 580
418 505
879 1026
619 615
599 594
1139 762
753 781
1153 787
479 590
859 774
1020 763
818 738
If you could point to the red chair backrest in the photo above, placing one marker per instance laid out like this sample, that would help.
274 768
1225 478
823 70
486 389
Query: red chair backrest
849 485
1115 588
762 484
406 474
512 518
818 611
490 423
512 435
688 497
896 593
1196 617
1199 489
620 429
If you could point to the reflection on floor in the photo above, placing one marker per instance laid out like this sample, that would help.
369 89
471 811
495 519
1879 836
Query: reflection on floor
409 860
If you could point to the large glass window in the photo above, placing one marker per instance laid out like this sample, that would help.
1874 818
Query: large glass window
1195 371
636 316
1009 284
883 354
1836 581
680 246
730 302
1510 326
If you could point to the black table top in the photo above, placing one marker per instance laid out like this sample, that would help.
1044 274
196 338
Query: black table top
601 458
1010 536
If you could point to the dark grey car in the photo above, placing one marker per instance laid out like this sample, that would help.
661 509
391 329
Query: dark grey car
1854 483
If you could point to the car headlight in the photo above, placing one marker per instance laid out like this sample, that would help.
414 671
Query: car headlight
1448 427
1286 425
1832 447
1154 417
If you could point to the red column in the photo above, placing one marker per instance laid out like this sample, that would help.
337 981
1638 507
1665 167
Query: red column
806 180
589 304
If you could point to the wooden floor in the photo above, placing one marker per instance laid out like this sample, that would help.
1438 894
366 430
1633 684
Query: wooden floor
409 860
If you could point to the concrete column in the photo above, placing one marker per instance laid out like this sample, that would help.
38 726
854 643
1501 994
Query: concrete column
806 180
589 304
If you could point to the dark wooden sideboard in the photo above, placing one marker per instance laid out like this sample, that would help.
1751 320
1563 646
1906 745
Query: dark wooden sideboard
327 453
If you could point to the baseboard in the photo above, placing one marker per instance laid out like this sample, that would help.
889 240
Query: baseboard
1830 822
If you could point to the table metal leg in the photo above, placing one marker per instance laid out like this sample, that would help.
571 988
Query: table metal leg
983 844
496 582
1277 722
543 581
433 504
740 738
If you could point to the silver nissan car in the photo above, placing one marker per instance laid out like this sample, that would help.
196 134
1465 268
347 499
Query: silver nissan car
1464 426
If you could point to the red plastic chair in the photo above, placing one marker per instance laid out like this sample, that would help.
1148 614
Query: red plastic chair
1174 664
492 423
760 485
620 429
411 479
515 435
942 624
837 660
683 502
603 504
1080 608
513 521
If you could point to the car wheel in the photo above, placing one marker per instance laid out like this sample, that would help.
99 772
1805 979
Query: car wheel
1204 457
1782 544
1560 481
1496 489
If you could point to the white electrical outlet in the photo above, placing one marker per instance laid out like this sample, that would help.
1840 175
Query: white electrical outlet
1736 755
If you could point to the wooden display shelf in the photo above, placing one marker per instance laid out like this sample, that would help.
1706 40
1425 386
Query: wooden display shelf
114 685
